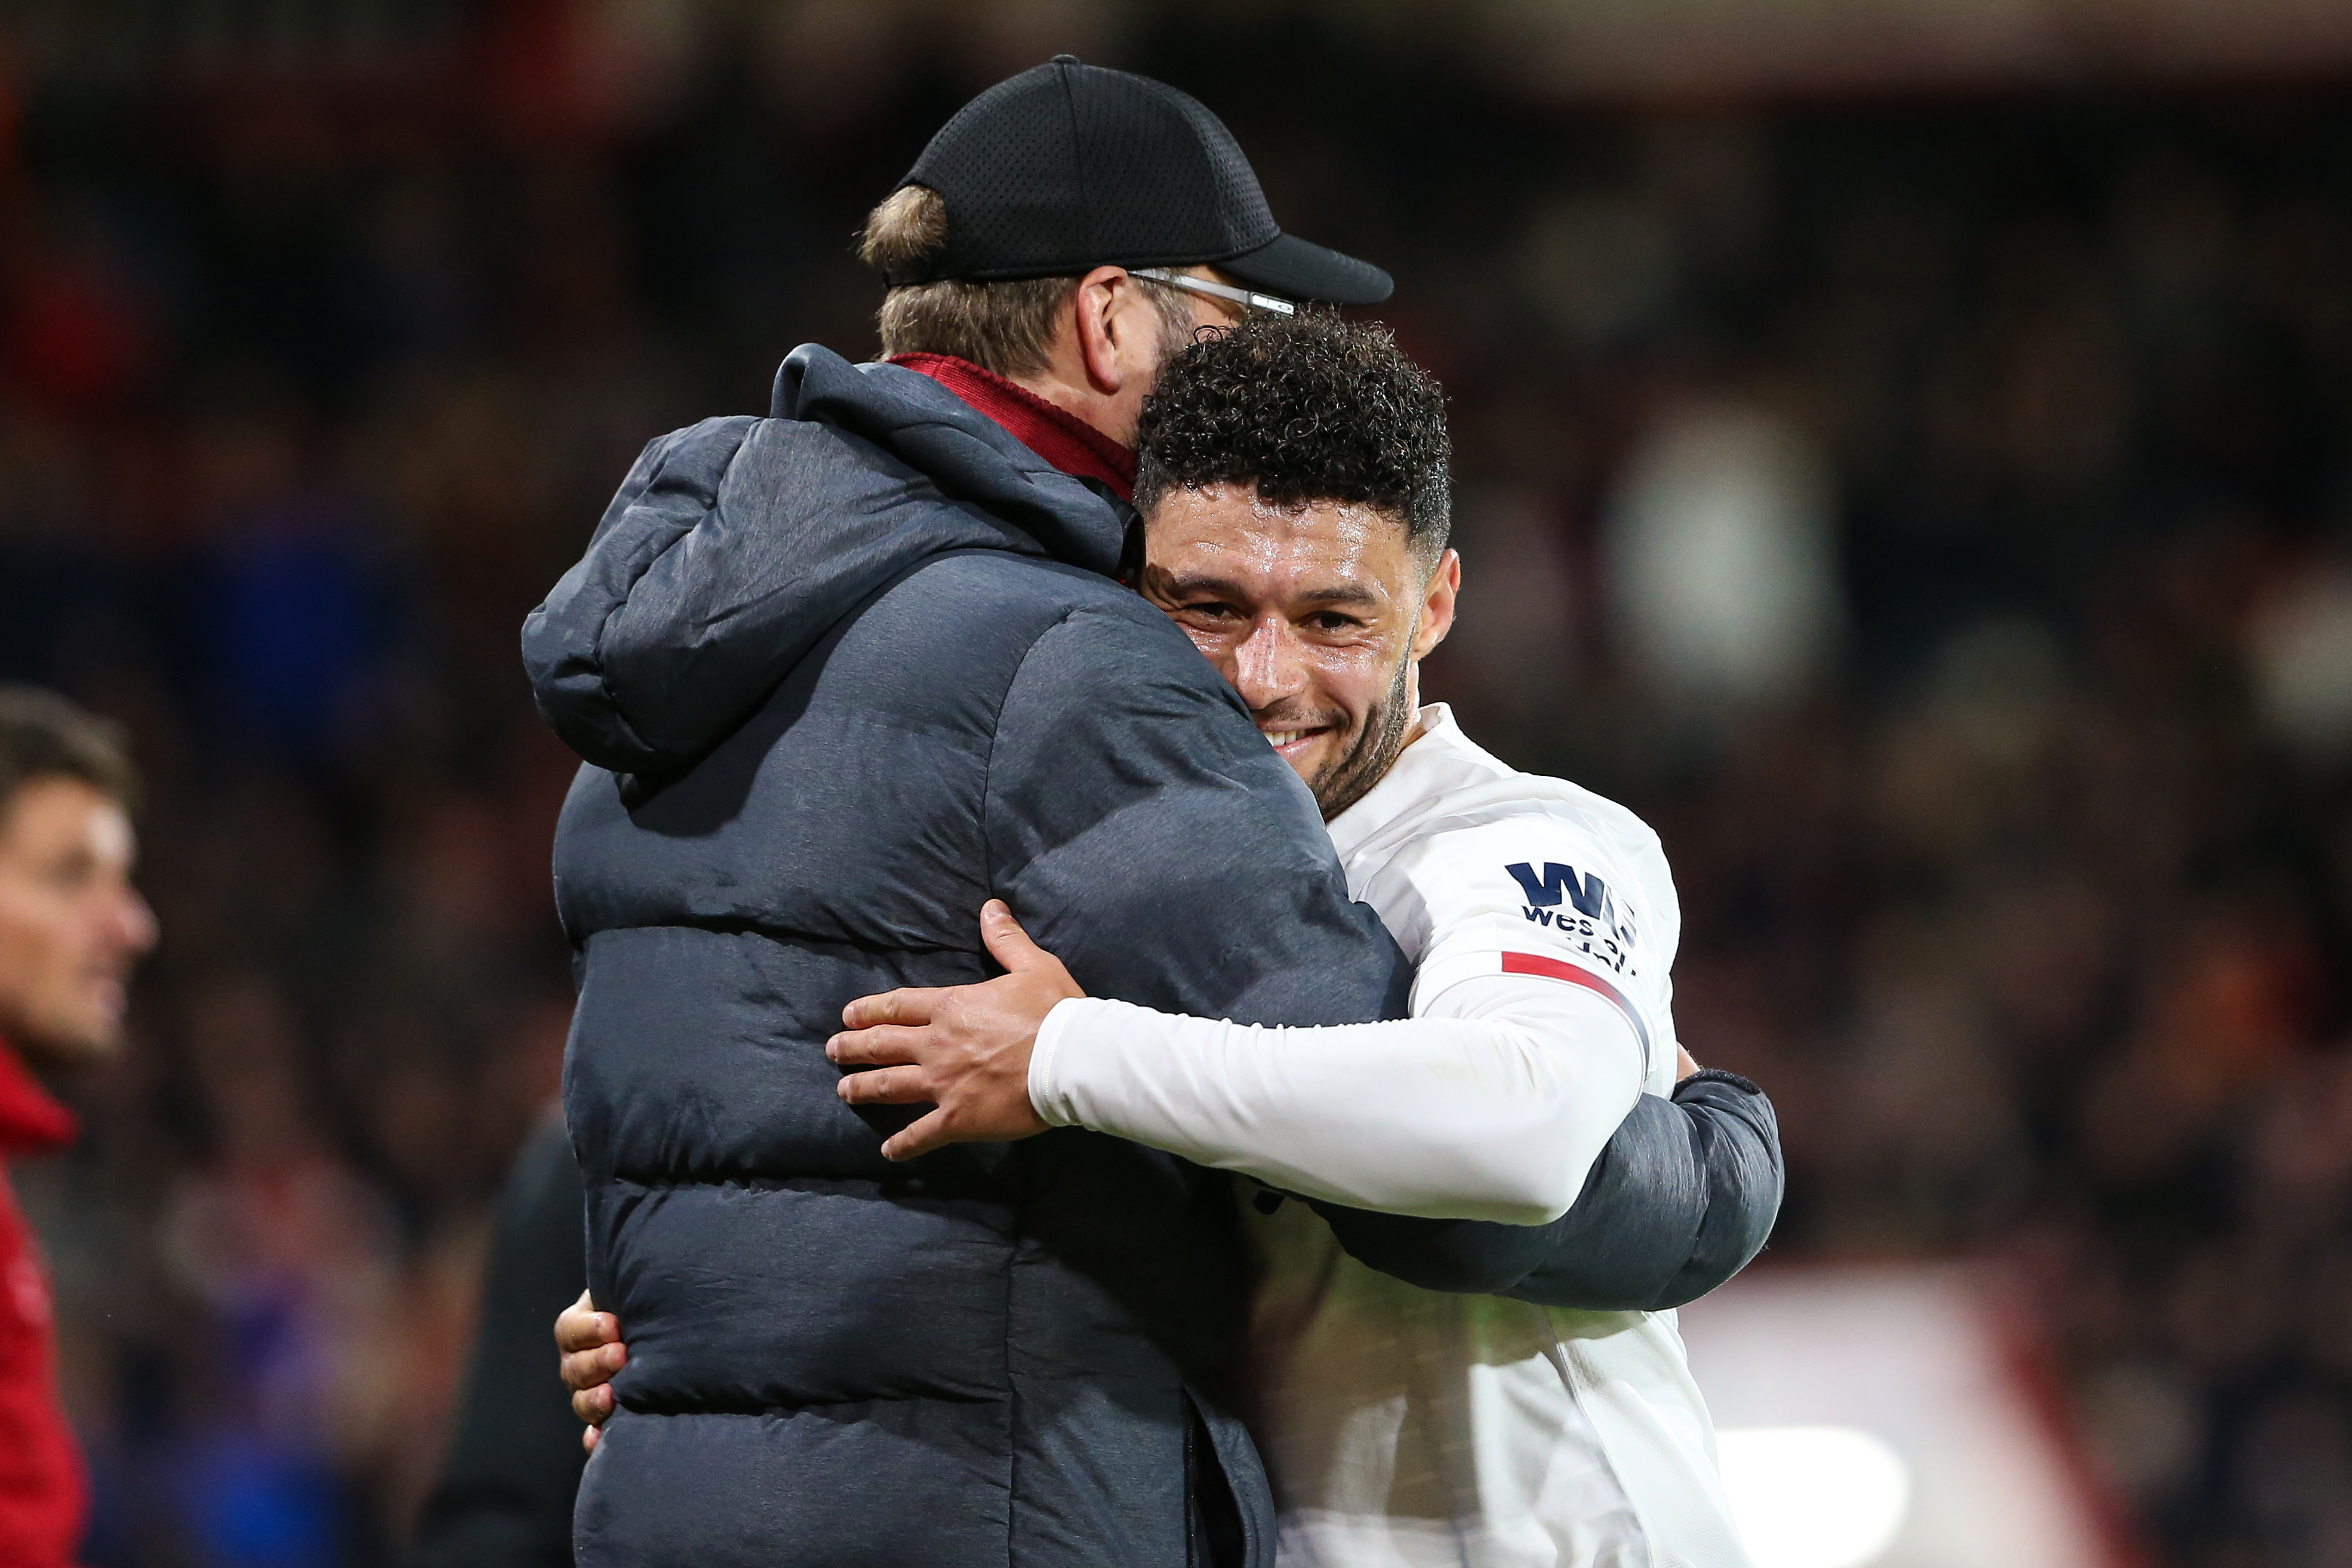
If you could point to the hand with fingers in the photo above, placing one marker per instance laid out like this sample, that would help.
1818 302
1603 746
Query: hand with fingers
589 1350
962 1050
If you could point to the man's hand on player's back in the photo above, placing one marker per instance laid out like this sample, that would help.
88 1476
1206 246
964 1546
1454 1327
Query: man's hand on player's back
963 1050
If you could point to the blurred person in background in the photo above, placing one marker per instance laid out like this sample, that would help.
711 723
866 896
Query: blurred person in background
72 927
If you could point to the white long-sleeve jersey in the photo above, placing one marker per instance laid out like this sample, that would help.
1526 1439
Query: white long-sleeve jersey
1405 1428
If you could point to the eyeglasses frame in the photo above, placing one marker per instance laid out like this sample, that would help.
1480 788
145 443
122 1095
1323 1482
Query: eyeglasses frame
1247 298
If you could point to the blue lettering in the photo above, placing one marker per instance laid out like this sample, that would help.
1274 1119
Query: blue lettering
1589 894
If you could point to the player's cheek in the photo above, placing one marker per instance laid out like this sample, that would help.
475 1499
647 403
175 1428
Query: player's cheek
1353 680
1326 749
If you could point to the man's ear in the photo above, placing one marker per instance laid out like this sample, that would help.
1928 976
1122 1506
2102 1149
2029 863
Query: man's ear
1103 300
1437 604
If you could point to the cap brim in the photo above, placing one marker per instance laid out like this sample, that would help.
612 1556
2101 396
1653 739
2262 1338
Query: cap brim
1298 271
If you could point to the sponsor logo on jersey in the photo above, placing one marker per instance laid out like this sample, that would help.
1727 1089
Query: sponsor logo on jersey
1591 909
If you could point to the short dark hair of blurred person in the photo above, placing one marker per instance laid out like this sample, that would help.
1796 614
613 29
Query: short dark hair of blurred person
71 929
506 1494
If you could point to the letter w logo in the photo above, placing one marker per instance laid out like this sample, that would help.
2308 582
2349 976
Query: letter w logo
1544 892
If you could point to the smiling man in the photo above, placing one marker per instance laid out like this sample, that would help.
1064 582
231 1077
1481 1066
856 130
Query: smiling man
71 929
1497 1378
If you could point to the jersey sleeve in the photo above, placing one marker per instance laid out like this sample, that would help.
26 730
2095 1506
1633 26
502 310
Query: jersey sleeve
1493 1107
1549 896
1687 1187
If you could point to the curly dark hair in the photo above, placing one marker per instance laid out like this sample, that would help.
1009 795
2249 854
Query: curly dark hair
1306 408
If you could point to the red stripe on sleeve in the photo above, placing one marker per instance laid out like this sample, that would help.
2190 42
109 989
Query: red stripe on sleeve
1559 969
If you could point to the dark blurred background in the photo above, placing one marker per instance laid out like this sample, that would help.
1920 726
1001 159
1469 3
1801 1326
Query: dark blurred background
1909 466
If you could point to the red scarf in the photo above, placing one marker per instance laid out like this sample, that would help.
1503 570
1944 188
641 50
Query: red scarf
1057 435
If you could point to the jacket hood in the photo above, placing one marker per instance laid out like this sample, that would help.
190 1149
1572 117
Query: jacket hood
735 544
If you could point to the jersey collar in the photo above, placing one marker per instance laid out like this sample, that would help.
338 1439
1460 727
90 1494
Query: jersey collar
1408 781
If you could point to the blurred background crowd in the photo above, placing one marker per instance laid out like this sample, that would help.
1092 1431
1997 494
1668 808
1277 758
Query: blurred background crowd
1931 510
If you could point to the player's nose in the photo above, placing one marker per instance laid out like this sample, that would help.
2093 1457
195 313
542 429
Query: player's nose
1270 664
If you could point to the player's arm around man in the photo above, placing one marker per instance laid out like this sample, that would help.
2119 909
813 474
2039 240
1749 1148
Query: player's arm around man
1484 1145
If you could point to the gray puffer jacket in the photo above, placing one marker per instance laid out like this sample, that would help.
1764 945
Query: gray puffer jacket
840 676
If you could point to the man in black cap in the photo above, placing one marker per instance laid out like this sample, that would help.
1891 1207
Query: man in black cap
996 243
839 675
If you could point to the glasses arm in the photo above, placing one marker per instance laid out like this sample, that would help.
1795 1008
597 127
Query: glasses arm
1247 298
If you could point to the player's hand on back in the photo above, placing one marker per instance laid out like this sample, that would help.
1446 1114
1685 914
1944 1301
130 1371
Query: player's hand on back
963 1050
589 1352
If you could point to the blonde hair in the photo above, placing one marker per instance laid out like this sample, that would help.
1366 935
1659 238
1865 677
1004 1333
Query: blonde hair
1004 326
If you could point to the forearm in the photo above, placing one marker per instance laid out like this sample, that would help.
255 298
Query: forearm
1682 1198
1494 1117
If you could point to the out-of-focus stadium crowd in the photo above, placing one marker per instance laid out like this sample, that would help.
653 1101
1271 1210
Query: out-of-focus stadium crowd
2014 831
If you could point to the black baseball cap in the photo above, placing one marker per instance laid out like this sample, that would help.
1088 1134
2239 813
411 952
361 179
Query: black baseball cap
1070 166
